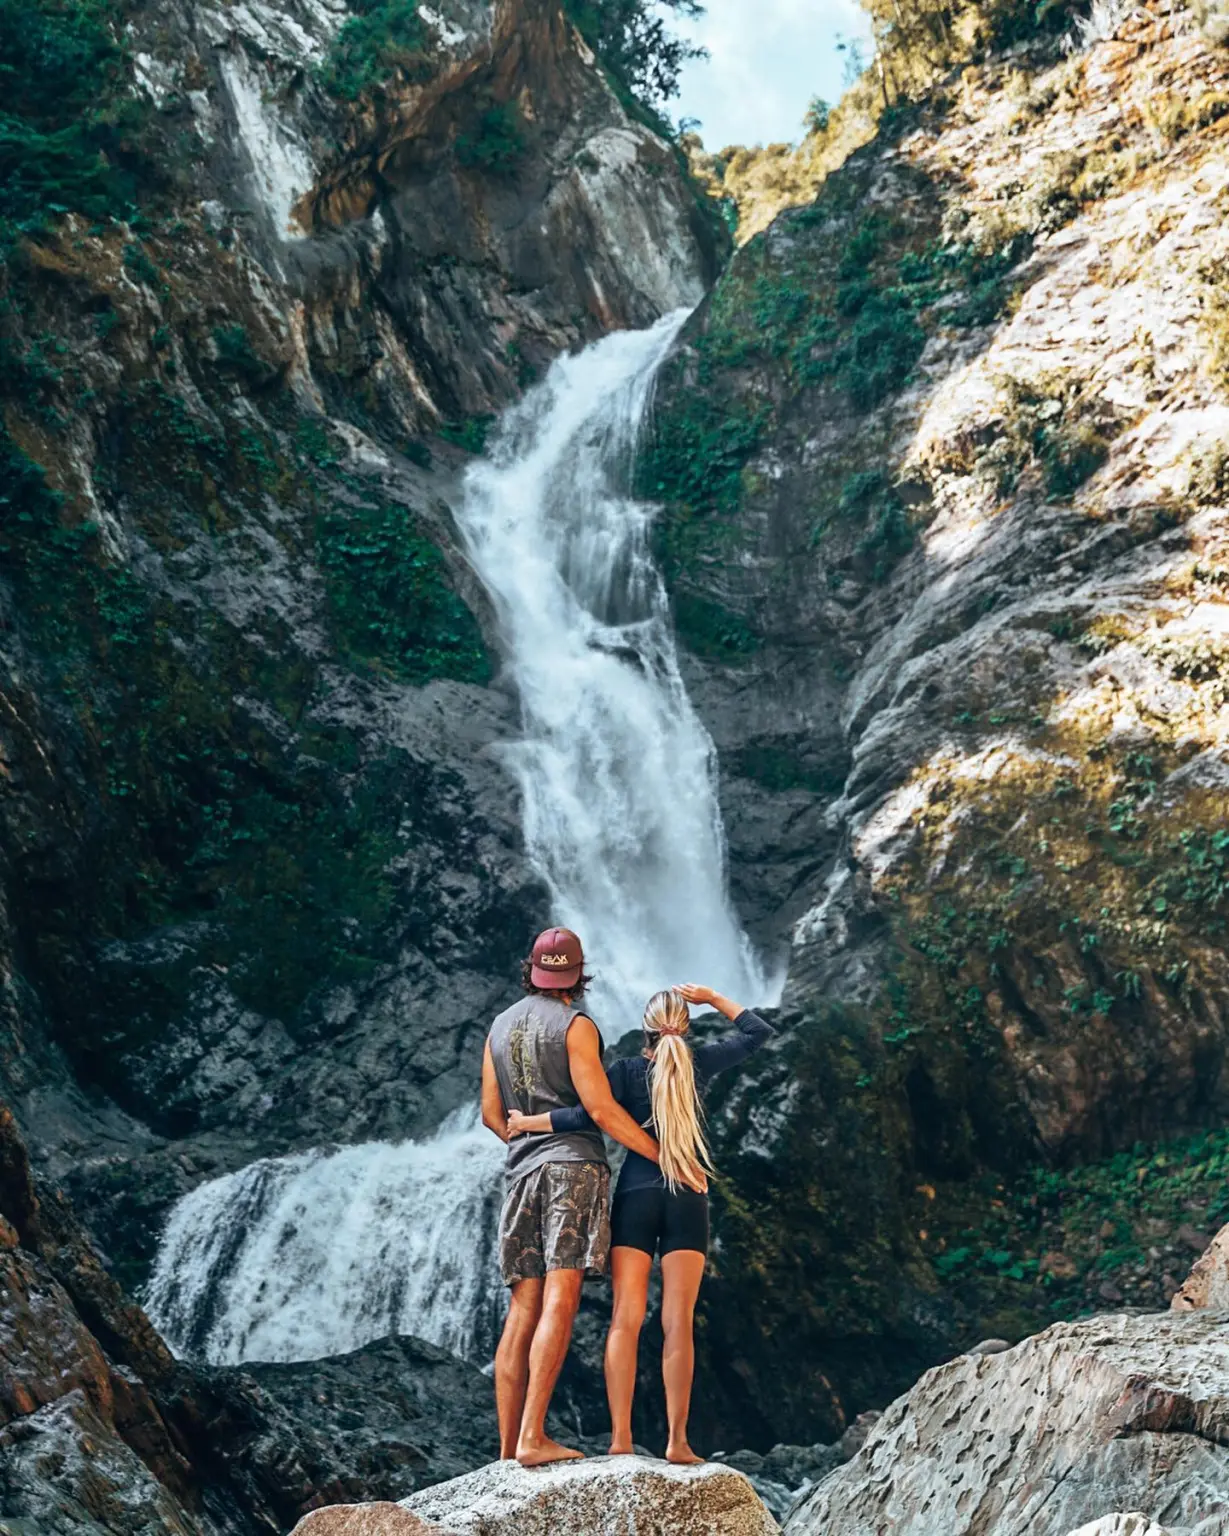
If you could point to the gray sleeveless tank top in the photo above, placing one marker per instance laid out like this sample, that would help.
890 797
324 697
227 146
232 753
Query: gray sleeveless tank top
529 1048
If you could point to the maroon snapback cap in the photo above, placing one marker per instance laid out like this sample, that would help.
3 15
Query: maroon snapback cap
557 960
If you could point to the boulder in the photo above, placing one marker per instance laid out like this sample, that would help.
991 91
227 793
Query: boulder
1044 1438
1207 1285
382 1519
607 1496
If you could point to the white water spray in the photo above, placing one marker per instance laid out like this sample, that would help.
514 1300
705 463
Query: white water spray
294 1258
298 1257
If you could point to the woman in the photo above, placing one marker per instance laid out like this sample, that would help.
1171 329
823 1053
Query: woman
653 1208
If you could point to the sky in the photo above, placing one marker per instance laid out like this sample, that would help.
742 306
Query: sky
768 58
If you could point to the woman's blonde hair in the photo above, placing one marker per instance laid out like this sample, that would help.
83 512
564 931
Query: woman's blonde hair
672 1089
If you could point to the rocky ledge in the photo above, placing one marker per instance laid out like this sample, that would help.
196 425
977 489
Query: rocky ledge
610 1496
1052 1438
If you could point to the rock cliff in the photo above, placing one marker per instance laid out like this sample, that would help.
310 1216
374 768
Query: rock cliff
941 464
946 528
1084 1419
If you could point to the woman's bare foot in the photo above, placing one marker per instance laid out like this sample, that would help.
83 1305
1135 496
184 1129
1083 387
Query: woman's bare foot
539 1453
682 1455
617 1448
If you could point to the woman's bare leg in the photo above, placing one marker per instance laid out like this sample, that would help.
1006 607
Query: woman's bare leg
629 1269
681 1273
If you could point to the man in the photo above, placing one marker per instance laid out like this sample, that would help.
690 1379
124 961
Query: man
543 1053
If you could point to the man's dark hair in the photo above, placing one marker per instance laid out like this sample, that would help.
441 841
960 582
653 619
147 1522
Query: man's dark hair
577 990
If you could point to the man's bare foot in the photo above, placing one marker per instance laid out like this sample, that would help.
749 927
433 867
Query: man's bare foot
682 1455
617 1448
541 1452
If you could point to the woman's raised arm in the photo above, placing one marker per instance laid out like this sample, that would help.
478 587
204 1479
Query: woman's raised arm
749 1033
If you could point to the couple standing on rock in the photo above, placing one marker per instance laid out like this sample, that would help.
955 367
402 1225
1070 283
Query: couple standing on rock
546 1094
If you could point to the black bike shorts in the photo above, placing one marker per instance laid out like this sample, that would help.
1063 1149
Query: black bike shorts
654 1220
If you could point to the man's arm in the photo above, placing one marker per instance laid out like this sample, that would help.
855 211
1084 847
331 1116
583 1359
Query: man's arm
494 1116
591 1083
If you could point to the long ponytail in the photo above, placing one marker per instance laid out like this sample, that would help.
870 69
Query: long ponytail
684 1152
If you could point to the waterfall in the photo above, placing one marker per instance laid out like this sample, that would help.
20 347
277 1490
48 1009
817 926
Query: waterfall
298 1257
616 771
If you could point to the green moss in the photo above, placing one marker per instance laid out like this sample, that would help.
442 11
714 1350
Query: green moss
384 38
1052 426
470 433
236 353
781 768
711 630
315 444
390 598
496 142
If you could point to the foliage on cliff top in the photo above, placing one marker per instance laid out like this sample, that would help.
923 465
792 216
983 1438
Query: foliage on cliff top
917 45
632 38
69 123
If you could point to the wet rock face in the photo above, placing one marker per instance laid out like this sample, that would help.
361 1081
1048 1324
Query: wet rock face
1111 1412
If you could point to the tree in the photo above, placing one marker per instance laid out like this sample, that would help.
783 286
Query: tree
817 115
633 41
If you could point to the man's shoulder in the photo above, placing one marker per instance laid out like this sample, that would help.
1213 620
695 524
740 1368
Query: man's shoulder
512 1011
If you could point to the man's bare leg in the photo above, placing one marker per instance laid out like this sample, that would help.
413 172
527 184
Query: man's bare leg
560 1299
512 1362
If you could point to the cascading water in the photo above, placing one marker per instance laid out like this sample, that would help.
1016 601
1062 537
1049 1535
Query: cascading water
294 1258
615 769
298 1257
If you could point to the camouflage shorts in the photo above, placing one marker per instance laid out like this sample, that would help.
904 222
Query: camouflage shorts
556 1217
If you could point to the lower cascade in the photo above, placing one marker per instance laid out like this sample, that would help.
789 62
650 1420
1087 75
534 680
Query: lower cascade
293 1258
318 1253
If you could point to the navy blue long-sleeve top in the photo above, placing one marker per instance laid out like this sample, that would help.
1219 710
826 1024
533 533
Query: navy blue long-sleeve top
629 1084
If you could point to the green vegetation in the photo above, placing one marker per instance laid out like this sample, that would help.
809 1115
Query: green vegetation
381 39
391 599
69 129
711 630
869 498
236 353
1064 1235
633 41
469 433
919 41
1050 424
496 143
780 768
